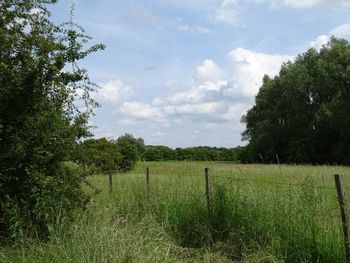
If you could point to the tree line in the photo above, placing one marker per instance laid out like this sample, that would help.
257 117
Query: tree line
303 114
103 154
200 153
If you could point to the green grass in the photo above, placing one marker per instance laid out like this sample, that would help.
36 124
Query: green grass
261 213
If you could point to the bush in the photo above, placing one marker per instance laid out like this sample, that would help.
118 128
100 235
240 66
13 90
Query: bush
45 200
39 117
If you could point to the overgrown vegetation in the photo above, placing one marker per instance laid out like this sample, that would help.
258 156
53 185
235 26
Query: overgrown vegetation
296 220
303 114
40 118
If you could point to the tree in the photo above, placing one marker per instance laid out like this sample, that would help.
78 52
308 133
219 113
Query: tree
158 153
131 149
302 115
39 115
153 153
99 154
128 152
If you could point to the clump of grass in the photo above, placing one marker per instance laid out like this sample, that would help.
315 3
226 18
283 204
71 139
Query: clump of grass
282 222
186 221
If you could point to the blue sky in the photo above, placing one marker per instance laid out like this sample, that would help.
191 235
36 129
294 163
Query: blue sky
182 72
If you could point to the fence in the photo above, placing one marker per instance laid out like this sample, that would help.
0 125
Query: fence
208 180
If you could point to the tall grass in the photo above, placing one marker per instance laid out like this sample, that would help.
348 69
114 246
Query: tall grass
296 220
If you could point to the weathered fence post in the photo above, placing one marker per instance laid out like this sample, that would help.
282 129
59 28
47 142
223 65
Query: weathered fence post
339 183
147 181
110 181
208 192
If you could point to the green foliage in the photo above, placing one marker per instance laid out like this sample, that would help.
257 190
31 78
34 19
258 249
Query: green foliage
131 150
201 153
44 201
98 154
158 153
101 155
39 116
302 115
187 221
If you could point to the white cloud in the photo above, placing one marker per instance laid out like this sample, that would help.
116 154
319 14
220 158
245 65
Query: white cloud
184 27
203 30
208 71
235 111
307 4
227 12
248 69
202 108
319 42
341 31
139 110
304 3
114 92
338 4
217 97
203 92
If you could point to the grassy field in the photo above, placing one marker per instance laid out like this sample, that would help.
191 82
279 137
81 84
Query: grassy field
260 213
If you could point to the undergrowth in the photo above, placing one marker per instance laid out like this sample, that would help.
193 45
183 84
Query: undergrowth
249 221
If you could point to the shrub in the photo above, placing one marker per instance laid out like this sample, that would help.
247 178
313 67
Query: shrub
39 116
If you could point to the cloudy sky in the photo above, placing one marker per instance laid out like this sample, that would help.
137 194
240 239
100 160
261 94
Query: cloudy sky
182 72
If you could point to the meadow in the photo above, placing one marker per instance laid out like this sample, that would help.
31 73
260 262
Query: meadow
259 213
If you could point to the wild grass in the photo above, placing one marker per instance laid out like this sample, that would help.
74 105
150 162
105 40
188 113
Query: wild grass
260 213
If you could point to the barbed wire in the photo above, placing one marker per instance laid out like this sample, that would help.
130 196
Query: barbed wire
230 177
162 191
271 182
159 190
321 212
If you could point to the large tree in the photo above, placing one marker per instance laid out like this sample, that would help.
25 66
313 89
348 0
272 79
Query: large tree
303 114
40 118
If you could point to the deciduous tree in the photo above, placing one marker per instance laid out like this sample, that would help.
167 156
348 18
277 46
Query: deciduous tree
303 114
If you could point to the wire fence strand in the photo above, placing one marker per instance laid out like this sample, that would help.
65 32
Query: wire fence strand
161 183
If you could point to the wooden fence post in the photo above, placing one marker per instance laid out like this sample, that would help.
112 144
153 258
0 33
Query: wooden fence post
339 183
208 192
110 181
147 181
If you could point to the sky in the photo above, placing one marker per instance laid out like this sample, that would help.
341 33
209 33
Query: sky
182 73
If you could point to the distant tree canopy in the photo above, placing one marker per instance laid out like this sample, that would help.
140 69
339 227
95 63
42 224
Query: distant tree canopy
303 114
201 153
122 154
107 154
